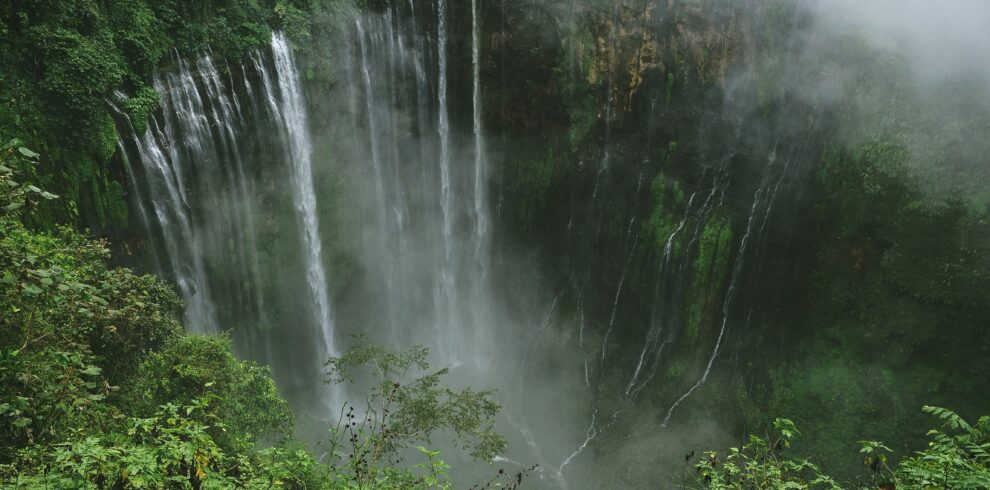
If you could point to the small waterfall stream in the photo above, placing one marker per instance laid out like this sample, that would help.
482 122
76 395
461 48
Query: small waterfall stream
761 200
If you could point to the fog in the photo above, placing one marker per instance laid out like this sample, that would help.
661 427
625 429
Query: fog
390 224
940 39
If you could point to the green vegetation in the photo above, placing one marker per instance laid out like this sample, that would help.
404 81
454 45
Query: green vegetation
759 465
864 298
98 385
897 318
662 222
100 388
529 185
64 60
957 456
711 268
406 405
75 332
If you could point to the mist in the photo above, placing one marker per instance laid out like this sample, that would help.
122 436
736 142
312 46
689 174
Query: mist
940 39
609 214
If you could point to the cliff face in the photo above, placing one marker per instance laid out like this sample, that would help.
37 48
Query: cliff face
624 165
614 116
619 120
663 213
569 47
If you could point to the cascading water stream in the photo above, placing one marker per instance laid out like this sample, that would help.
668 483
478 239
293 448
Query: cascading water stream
480 209
162 171
761 195
143 214
227 111
532 340
297 131
423 192
609 81
375 136
192 173
590 435
481 215
618 295
447 286
656 328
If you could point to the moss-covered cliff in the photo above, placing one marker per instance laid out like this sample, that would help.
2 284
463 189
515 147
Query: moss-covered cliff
742 210
864 264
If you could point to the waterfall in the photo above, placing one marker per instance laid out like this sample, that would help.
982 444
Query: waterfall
373 131
581 342
379 63
669 288
656 328
590 435
480 209
424 190
609 75
443 128
231 156
296 128
618 295
163 170
375 137
132 181
231 116
533 339
448 284
136 202
482 239
762 194
198 185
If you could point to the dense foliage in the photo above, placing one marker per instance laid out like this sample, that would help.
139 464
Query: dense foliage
100 387
65 61
98 384
895 317
957 456
861 296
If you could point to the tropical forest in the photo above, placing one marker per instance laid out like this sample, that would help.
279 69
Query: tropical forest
494 244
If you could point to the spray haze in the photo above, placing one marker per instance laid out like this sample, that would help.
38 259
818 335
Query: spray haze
609 211
939 38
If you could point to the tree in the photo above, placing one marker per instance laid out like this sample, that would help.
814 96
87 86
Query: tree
405 406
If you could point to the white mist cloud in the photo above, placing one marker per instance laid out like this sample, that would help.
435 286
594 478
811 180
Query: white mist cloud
939 38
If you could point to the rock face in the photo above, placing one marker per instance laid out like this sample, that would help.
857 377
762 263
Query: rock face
634 218
619 120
